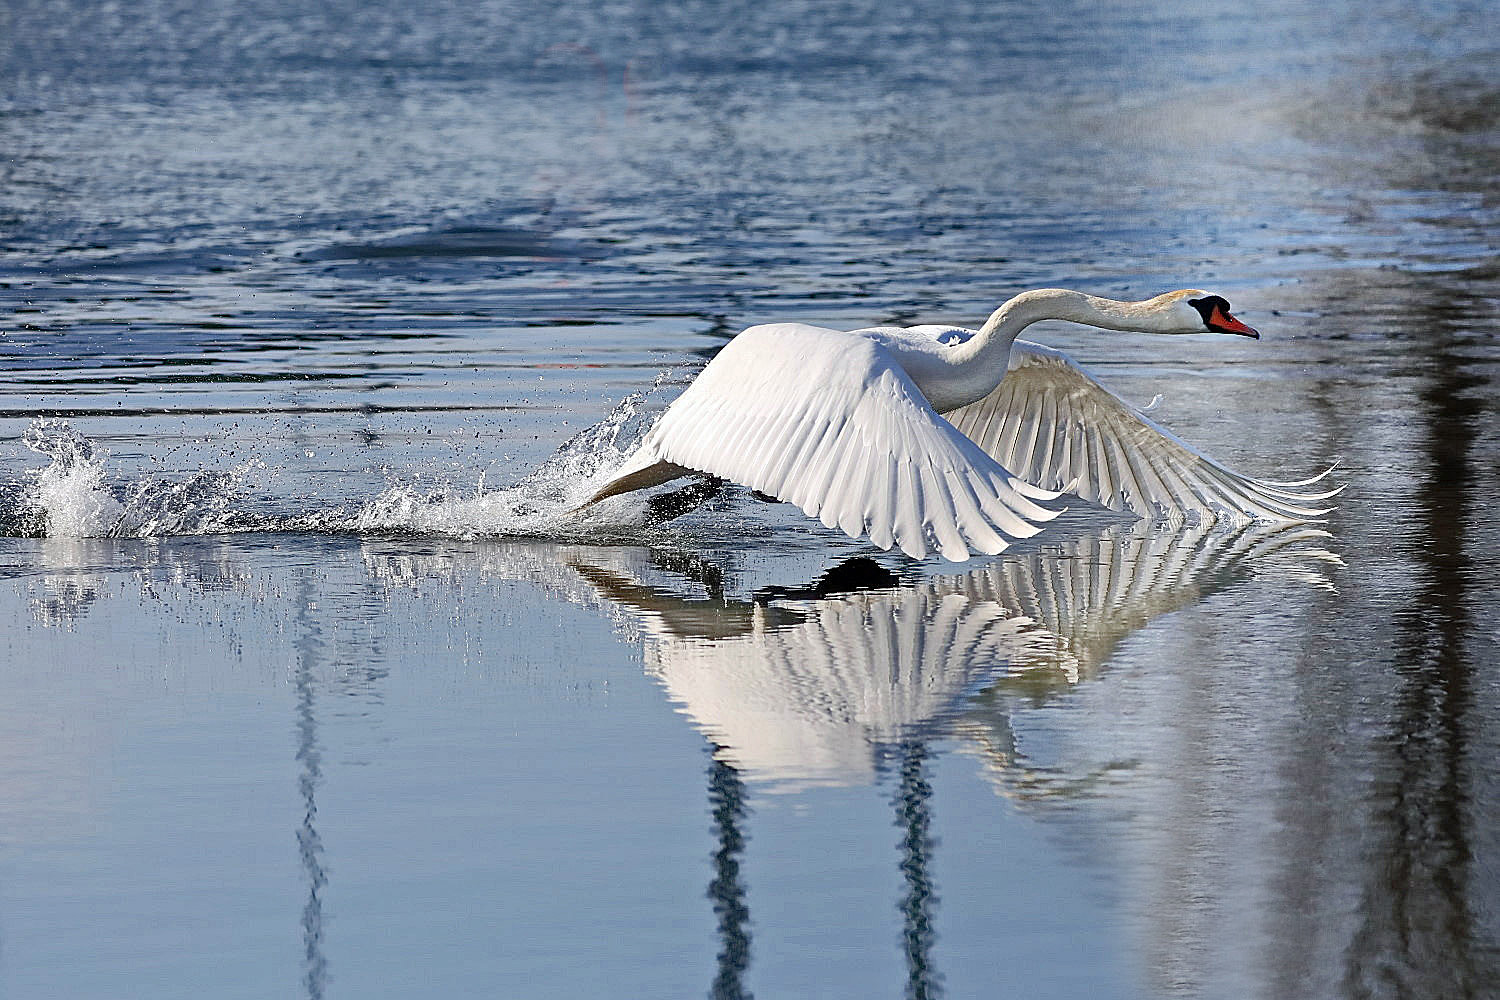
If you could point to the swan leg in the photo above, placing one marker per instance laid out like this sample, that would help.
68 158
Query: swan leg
641 479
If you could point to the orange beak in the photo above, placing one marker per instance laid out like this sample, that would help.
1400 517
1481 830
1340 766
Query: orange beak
1225 323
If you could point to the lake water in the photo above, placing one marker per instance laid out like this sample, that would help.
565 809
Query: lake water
311 321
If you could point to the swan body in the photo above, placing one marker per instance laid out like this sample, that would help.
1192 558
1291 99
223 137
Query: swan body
936 438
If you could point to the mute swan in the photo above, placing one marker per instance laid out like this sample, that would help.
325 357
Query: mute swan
847 426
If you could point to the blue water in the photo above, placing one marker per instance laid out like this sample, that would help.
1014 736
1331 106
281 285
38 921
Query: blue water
312 323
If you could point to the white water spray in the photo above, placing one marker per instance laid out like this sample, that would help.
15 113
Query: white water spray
70 498
542 505
70 491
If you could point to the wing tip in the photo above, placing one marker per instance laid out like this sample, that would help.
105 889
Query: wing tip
1033 492
1304 482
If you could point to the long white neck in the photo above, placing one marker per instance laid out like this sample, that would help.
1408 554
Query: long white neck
979 364
1006 323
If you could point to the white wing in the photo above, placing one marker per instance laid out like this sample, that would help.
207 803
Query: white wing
830 422
1053 425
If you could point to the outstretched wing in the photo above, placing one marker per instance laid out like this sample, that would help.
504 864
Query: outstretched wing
830 422
1052 425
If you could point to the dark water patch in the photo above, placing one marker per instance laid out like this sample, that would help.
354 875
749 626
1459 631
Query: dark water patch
1455 98
211 378
466 241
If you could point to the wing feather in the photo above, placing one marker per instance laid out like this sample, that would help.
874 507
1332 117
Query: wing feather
909 534
1056 426
831 423
876 489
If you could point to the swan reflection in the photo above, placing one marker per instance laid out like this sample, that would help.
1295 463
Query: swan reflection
822 685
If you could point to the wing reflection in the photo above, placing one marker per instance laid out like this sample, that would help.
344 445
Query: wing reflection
818 687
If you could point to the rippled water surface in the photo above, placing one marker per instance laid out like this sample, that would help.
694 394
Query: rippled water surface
315 321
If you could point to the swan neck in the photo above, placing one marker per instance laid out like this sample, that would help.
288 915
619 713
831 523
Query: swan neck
1006 323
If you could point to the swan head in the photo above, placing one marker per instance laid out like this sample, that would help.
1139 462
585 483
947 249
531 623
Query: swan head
1193 311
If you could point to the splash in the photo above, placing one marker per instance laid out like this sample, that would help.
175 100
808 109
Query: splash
73 498
205 503
542 505
70 494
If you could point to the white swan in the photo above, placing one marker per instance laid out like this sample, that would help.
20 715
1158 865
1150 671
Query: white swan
846 426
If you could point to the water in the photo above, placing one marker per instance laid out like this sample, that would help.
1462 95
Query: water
311 322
